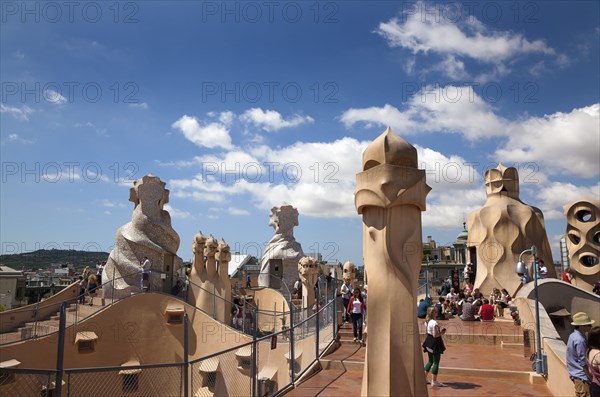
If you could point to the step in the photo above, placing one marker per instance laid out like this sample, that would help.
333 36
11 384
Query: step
342 365
523 376
517 346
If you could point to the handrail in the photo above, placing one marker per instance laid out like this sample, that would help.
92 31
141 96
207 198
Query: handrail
187 283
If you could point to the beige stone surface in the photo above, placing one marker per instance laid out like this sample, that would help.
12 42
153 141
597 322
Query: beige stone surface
308 270
283 245
349 273
390 195
502 229
583 241
210 287
148 234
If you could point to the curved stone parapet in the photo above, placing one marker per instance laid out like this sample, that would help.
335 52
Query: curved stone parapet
149 234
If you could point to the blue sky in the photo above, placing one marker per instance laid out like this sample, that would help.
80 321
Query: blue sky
240 106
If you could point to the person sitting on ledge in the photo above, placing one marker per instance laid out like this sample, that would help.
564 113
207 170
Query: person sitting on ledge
502 303
470 308
423 306
486 312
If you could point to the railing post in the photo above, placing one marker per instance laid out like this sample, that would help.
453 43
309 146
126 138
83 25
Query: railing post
244 316
60 351
274 317
335 315
317 314
292 358
254 358
186 362
112 297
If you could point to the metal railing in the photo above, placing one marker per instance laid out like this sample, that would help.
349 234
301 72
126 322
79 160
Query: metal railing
249 369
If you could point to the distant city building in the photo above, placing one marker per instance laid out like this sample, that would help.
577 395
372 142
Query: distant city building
12 288
440 261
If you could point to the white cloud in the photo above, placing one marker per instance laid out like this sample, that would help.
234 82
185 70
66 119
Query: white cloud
542 140
111 204
210 135
175 213
140 105
97 130
271 120
380 116
54 97
319 184
21 113
545 140
441 35
15 138
427 28
555 195
238 211
455 109
319 179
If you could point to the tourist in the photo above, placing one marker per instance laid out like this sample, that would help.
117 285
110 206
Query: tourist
100 267
468 288
248 285
423 306
443 310
524 278
468 272
503 303
356 308
596 289
576 353
346 291
364 295
146 265
543 270
567 275
433 346
445 290
486 312
176 288
477 295
451 300
460 300
83 283
86 272
92 285
593 360
470 308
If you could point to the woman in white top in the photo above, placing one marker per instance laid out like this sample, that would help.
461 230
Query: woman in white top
356 308
433 346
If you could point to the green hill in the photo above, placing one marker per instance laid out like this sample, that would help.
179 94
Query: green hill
42 259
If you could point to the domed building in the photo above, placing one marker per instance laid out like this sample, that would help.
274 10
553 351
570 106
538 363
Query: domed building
460 245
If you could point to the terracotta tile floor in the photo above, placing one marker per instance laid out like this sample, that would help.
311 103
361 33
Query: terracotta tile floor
347 383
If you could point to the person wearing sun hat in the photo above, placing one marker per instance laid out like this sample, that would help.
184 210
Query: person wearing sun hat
576 352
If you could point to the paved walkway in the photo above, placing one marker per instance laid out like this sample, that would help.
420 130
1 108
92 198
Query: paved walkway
481 359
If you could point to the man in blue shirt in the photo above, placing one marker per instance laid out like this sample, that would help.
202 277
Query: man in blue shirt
576 351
